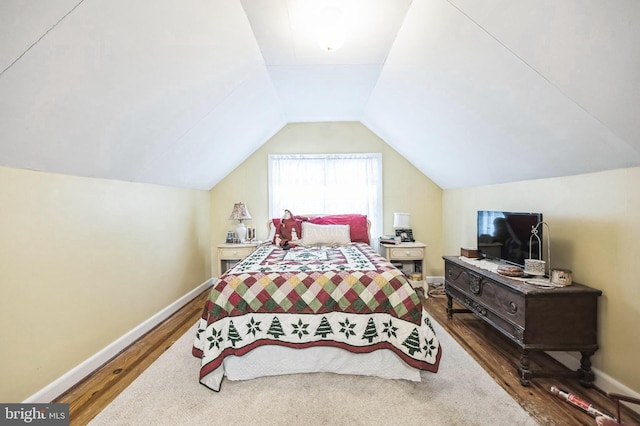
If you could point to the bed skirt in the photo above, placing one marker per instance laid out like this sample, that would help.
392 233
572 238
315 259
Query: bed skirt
274 360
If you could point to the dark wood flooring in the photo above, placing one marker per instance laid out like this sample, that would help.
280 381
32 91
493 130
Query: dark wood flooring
490 349
500 358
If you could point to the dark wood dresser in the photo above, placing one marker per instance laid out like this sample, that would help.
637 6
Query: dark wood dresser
534 318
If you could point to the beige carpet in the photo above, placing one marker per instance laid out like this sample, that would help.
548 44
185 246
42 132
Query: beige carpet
168 393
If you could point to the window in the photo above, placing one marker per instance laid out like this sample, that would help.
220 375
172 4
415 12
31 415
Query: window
328 184
487 222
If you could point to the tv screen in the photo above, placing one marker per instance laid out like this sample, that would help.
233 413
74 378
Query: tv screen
505 236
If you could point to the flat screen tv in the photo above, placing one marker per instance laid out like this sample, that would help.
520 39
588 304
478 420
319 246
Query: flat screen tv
505 236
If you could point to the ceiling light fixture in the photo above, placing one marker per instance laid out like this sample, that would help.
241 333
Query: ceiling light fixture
330 29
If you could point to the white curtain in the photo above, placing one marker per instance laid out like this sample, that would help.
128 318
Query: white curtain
327 184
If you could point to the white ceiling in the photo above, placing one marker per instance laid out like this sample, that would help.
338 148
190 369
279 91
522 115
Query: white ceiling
180 93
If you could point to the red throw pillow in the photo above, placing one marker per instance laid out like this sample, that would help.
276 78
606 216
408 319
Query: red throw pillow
359 230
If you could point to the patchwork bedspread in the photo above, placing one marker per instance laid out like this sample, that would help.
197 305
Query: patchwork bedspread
348 297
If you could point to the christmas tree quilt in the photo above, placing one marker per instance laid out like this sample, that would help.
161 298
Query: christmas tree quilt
347 297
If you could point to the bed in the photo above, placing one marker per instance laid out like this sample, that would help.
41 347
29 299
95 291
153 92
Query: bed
328 303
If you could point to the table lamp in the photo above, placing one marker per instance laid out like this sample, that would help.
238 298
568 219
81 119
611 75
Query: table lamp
402 220
240 213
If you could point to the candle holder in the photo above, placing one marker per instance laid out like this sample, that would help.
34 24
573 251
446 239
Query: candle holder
536 267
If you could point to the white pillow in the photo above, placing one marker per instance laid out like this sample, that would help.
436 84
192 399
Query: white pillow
313 234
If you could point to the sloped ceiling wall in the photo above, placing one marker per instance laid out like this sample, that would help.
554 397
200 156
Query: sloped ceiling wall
497 91
180 93
167 92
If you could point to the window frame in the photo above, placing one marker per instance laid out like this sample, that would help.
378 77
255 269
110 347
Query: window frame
374 209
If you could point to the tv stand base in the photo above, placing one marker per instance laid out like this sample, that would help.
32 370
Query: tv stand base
584 374
535 319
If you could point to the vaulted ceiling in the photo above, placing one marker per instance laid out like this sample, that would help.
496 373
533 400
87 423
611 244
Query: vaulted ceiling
181 92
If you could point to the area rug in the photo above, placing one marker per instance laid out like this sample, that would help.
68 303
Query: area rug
168 393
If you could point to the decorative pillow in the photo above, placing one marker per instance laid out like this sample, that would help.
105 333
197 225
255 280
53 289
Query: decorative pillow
359 229
325 234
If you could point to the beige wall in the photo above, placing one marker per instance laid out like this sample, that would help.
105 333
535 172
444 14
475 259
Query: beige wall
404 187
82 262
594 228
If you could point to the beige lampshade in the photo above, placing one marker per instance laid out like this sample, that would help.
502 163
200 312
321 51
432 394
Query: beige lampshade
402 220
240 212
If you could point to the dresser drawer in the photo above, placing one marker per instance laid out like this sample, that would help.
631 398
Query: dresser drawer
501 300
512 330
407 253
235 252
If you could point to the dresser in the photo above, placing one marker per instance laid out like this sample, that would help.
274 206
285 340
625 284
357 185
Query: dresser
532 317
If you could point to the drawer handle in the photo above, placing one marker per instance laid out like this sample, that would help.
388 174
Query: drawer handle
408 253
518 333
235 252
474 284
476 307
513 306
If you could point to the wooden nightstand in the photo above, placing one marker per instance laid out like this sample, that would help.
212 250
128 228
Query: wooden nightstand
405 253
231 253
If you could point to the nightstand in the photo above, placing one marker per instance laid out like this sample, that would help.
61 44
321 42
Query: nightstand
228 254
414 253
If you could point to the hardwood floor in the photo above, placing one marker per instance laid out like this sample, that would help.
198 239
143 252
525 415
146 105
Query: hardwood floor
490 349
90 396
500 357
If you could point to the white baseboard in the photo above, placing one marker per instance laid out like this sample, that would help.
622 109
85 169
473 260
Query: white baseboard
73 376
435 279
69 379
603 380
